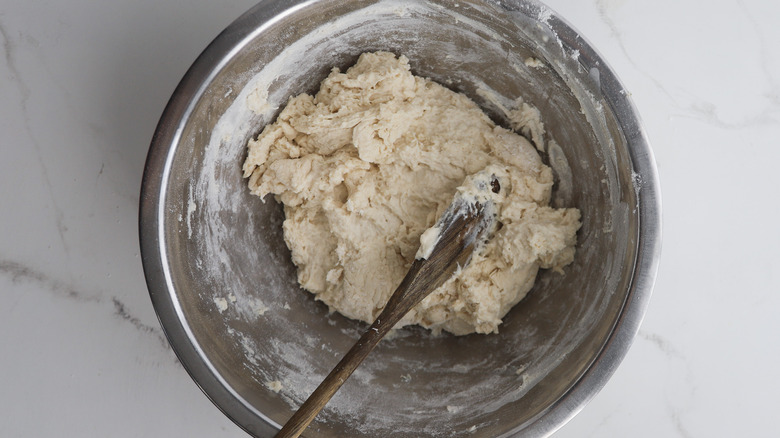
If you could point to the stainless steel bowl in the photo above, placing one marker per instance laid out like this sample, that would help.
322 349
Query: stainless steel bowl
220 275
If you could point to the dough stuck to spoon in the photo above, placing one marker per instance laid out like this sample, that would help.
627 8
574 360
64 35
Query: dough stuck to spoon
461 230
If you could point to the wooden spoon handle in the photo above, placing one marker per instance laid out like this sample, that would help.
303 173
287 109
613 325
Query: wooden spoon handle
354 357
462 226
422 278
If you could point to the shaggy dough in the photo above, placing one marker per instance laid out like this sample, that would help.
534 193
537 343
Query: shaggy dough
370 162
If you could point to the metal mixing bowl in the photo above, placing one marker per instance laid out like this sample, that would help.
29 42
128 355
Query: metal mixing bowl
224 287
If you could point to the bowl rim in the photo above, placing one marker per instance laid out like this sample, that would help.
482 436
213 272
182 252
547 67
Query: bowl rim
168 134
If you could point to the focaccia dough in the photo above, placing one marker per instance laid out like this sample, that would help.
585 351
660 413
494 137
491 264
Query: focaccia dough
370 162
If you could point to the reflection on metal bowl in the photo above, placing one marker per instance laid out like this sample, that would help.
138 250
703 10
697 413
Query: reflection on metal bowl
224 287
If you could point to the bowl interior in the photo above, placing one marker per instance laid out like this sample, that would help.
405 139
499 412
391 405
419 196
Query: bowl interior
229 272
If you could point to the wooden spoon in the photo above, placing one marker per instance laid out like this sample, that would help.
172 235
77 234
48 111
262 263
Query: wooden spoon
462 228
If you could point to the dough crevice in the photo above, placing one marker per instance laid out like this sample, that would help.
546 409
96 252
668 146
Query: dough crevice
365 166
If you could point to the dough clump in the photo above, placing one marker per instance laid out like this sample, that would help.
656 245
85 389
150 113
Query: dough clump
369 163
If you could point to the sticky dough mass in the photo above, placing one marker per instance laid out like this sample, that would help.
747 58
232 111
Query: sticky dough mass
369 163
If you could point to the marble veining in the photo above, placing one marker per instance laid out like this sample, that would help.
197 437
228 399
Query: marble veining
9 48
19 273
121 311
674 357
689 105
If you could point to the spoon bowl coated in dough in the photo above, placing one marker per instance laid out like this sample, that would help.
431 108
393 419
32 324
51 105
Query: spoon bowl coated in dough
461 231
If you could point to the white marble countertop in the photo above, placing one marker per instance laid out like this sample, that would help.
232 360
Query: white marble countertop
83 83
